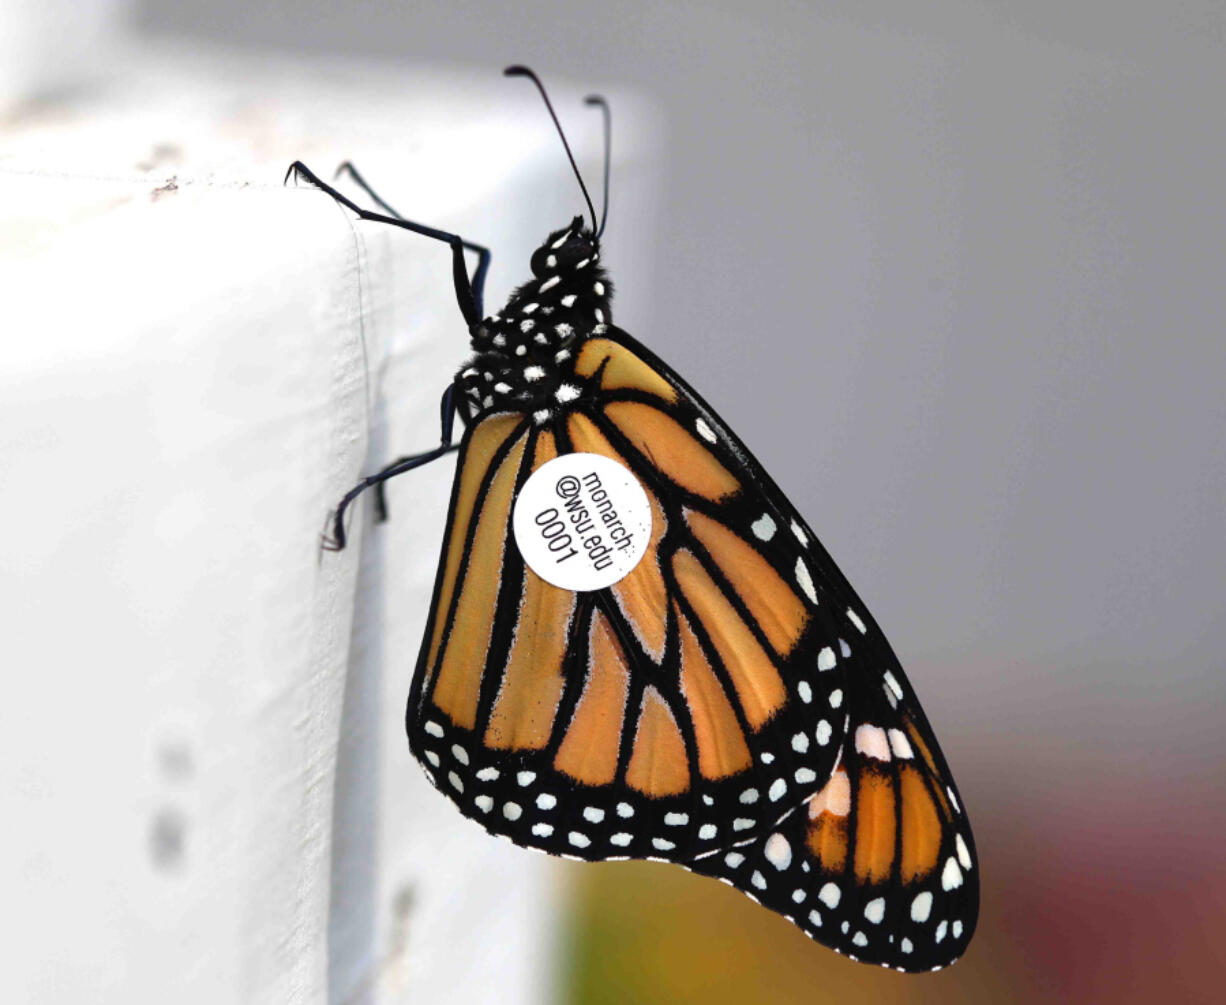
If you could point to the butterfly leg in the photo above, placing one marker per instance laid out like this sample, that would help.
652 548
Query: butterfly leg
398 467
477 280
468 293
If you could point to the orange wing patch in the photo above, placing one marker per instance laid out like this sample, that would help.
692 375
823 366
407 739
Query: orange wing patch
483 444
531 688
722 750
874 824
921 826
458 687
623 369
642 595
827 837
527 701
658 766
758 685
589 750
778 611
917 742
672 449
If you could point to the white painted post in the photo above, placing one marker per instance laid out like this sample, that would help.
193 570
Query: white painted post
205 788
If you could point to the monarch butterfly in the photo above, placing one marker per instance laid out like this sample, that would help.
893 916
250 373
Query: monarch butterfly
723 700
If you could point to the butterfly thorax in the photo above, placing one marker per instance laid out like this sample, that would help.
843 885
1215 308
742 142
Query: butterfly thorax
524 355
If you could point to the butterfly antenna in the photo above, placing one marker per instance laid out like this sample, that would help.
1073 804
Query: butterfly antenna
596 99
523 71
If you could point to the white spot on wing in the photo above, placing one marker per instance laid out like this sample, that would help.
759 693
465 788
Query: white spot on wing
921 906
777 790
825 659
778 852
578 839
705 431
871 741
836 697
487 775
542 830
951 875
512 811
855 620
964 853
801 536
805 692
805 580
800 742
707 831
901 745
621 839
434 729
763 527
830 895
874 910
546 801
823 733
484 803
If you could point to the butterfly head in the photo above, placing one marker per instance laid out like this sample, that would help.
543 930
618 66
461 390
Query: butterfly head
566 251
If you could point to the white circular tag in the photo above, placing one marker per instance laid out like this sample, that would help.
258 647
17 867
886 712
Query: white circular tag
582 521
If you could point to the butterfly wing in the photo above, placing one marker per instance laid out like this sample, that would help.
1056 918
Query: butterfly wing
667 716
880 864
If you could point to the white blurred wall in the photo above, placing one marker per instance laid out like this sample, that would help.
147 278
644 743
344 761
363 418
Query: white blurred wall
954 271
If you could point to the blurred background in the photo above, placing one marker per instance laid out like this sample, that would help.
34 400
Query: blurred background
956 272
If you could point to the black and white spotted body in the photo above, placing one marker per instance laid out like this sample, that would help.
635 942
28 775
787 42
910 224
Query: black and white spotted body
524 354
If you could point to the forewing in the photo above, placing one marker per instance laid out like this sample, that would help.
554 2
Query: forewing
664 717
